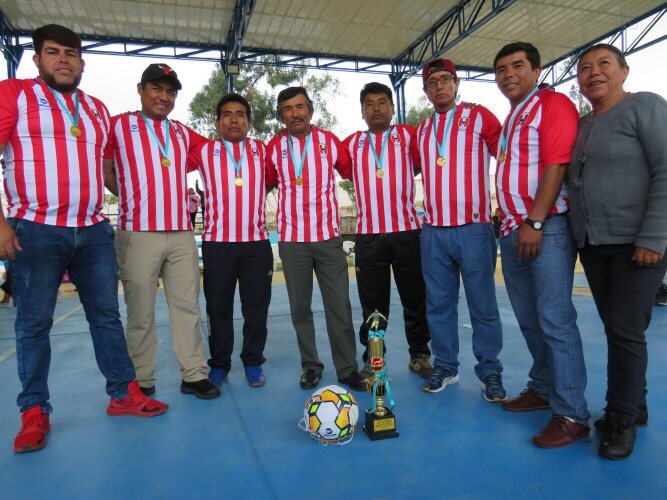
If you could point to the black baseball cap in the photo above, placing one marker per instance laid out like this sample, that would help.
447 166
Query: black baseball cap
160 72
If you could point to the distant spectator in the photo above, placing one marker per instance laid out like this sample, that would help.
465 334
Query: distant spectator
194 203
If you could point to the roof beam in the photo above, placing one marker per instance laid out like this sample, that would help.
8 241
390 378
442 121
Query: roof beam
10 46
448 31
237 29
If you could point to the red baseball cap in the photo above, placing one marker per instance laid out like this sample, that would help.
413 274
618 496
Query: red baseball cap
437 65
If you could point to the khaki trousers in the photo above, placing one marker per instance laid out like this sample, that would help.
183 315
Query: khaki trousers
143 257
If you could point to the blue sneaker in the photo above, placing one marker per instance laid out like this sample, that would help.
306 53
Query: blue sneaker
440 379
255 375
494 392
217 375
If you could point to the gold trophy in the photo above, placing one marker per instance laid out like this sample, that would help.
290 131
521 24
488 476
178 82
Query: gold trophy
380 422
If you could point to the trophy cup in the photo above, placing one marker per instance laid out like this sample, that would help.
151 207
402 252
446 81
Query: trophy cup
380 422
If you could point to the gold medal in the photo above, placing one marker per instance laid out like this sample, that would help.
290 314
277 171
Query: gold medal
501 156
166 162
75 131
299 181
379 173
442 161
238 181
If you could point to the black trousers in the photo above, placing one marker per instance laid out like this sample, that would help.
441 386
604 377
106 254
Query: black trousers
376 256
251 264
193 216
623 294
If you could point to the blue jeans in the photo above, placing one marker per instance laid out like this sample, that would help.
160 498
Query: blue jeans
88 254
469 253
541 295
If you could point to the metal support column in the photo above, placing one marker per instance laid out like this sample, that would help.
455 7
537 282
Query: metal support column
10 46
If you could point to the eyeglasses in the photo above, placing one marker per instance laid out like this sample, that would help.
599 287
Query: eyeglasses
442 79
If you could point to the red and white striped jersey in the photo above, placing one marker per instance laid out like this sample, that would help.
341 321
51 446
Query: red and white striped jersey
386 204
542 134
232 213
459 192
151 197
52 177
307 212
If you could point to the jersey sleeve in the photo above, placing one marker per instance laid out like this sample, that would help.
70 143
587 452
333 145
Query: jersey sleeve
414 148
271 174
9 112
558 129
491 129
111 141
343 160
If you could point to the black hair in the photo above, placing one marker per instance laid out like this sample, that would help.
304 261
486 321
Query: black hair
532 54
233 97
56 33
620 57
375 88
290 93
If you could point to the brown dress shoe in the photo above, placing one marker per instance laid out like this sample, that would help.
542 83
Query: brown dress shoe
559 432
528 400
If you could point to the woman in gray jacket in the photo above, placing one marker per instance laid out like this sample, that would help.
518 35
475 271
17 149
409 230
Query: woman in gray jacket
618 208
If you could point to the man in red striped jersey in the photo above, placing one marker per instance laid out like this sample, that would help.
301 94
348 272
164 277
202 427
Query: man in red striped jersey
301 161
387 225
145 166
538 252
235 241
52 136
453 148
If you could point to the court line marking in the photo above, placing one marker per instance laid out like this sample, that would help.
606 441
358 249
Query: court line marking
9 352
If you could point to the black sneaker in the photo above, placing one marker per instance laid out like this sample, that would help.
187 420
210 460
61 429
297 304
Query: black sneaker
641 419
148 391
310 378
618 440
354 381
203 389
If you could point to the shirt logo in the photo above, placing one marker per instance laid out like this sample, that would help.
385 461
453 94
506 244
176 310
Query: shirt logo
463 122
323 150
177 131
475 216
44 103
216 152
361 143
522 120
255 152
423 132
284 153
97 115
134 128
396 139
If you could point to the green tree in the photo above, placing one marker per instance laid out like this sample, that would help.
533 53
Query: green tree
348 186
419 113
260 85
583 106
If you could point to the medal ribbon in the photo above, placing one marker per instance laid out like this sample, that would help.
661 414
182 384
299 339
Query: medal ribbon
385 137
230 153
450 118
74 120
303 153
504 134
163 149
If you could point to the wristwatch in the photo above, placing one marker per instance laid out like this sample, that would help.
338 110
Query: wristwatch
535 224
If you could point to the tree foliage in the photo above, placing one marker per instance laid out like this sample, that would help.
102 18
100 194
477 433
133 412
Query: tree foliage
348 186
260 85
582 105
419 113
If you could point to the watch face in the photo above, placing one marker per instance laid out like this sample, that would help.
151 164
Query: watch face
537 225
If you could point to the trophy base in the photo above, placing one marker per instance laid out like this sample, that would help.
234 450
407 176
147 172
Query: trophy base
377 427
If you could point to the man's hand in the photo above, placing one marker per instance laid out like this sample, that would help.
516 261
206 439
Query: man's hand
645 257
9 243
528 243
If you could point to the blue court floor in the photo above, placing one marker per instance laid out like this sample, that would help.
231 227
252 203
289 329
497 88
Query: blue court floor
246 444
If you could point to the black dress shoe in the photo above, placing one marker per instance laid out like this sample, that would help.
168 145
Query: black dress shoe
203 389
354 381
310 378
147 391
618 440
641 419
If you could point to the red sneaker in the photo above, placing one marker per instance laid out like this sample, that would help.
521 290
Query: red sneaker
136 403
34 428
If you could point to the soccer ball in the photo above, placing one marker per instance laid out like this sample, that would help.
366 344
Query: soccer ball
330 415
